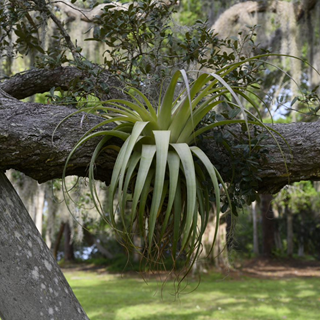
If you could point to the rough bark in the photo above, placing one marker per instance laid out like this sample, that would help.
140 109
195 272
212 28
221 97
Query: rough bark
26 84
26 131
26 141
32 285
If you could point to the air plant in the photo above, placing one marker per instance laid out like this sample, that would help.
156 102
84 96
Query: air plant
159 188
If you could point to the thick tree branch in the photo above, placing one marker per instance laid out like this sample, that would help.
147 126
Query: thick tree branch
302 156
26 131
26 84
26 145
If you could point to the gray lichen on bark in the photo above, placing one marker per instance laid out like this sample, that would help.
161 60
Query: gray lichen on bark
32 285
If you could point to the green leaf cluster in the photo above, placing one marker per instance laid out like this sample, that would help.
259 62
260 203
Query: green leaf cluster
16 17
145 45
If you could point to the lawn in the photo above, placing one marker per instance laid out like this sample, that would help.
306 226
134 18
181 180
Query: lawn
112 297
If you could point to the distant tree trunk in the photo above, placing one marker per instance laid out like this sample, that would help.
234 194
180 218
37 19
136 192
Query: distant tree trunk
39 205
52 208
137 241
301 247
289 231
301 233
255 228
68 244
277 237
92 239
229 230
57 244
32 285
221 253
268 225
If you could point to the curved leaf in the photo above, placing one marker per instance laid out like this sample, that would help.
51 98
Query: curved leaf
132 140
147 155
143 200
162 139
176 218
134 159
164 112
185 155
146 101
174 165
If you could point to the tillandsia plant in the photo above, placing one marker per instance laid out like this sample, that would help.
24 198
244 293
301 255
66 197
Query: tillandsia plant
159 188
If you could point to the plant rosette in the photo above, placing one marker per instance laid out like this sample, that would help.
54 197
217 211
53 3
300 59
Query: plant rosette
159 189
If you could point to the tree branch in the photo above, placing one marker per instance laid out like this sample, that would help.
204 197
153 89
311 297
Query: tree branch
76 55
26 145
88 15
26 84
26 131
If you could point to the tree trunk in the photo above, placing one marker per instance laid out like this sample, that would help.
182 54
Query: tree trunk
92 239
268 225
255 229
219 254
220 250
301 247
230 223
277 236
68 244
39 205
57 244
289 231
52 208
32 285
301 235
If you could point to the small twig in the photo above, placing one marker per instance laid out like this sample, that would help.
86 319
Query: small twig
66 36
42 6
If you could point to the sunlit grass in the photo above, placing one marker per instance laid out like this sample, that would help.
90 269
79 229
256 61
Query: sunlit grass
217 298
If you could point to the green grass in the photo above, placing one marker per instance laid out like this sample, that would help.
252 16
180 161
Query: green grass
110 297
